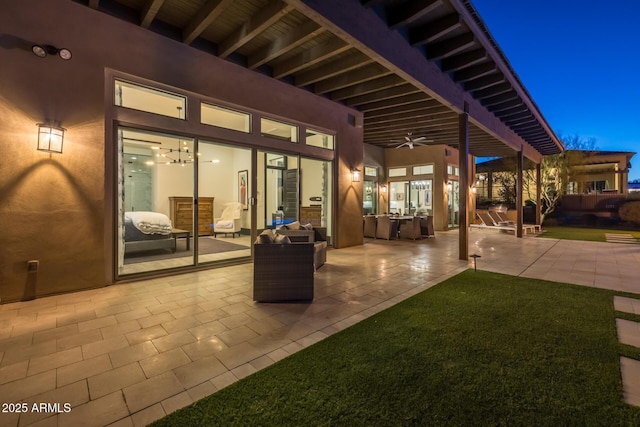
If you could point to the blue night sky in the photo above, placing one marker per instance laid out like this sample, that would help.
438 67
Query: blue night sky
579 60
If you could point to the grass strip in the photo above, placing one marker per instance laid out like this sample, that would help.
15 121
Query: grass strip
580 233
478 349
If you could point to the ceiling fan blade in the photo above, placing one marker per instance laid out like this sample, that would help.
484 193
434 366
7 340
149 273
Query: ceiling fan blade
403 144
422 138
407 138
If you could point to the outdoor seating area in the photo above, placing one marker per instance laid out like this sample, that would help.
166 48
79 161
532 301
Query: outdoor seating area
398 227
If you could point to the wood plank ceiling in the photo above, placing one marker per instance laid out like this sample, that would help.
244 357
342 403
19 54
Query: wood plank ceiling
272 37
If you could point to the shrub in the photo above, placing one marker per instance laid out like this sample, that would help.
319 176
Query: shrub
630 212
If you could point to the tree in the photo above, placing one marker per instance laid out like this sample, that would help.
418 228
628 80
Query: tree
556 171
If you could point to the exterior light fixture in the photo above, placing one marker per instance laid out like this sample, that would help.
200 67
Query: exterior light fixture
355 175
383 188
50 138
42 51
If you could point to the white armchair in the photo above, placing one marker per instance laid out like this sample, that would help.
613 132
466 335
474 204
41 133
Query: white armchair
230 220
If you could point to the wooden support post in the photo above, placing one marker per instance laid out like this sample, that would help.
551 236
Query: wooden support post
538 195
520 162
463 165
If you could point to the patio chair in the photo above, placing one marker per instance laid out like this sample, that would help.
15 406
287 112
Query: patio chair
410 229
503 217
370 226
488 221
386 228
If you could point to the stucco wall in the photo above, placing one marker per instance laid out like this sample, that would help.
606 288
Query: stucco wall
57 208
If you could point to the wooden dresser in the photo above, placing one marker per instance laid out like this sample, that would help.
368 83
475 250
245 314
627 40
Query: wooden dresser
311 215
181 213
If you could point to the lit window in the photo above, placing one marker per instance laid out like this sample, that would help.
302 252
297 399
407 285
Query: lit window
225 118
278 130
393 172
369 171
148 99
319 139
423 170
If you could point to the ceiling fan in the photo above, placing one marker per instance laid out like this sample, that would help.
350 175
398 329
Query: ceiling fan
410 141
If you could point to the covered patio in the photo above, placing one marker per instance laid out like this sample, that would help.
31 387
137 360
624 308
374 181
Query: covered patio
133 352
411 67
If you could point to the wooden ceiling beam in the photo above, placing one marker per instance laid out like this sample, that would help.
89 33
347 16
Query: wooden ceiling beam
149 12
507 96
367 87
361 102
516 115
496 108
205 16
393 102
333 68
463 60
492 91
381 123
431 31
484 82
286 42
256 24
450 47
404 109
361 75
410 11
310 57
474 72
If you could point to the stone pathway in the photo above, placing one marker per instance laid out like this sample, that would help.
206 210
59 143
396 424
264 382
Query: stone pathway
629 334
621 238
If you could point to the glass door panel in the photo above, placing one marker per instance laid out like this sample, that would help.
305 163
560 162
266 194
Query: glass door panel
155 189
421 197
370 198
399 197
278 191
224 218
453 188
316 194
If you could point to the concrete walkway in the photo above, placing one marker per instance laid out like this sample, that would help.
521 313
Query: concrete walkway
128 354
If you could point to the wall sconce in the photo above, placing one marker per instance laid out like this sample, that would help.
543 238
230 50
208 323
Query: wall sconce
50 138
383 188
474 190
449 186
355 175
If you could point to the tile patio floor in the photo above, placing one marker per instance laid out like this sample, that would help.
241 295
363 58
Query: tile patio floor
128 354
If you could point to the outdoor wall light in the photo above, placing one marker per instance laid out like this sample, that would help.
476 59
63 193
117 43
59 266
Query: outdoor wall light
355 175
50 138
383 188
43 50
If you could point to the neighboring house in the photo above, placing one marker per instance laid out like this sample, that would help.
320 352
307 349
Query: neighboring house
596 171
634 187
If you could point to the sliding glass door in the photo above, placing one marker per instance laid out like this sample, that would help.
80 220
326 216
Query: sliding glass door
161 225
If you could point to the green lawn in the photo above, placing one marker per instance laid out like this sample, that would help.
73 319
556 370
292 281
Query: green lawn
478 349
578 233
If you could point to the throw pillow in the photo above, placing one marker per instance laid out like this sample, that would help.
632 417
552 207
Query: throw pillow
281 239
307 226
294 225
266 237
